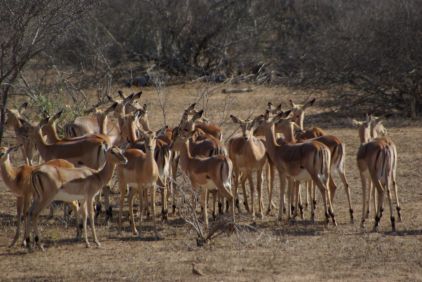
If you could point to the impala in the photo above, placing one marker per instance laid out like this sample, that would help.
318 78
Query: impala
18 180
377 163
141 174
51 183
298 162
214 172
84 125
248 155
161 154
16 121
338 156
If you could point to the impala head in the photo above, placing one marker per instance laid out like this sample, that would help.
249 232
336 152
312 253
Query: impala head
5 151
150 140
115 155
14 116
188 125
298 111
285 124
273 109
364 127
377 128
247 126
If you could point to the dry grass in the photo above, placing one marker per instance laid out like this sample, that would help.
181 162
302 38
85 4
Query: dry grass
262 251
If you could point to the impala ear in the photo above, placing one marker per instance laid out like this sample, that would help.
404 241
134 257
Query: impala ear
293 105
120 93
235 119
56 116
191 107
309 103
111 108
197 115
287 113
137 95
267 115
128 99
109 98
23 107
145 108
356 123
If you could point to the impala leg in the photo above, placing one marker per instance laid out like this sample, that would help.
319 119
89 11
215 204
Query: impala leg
392 219
299 199
235 190
365 211
397 199
380 208
204 204
259 188
123 189
164 210
174 165
282 194
347 190
26 202
374 195
245 195
252 187
84 212
35 210
153 188
371 194
308 193
19 210
91 221
131 215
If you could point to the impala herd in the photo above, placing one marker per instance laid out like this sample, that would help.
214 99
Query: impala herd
80 165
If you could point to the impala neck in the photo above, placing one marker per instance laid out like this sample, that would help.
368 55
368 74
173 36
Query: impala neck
105 173
365 134
289 135
8 173
270 139
51 133
185 155
132 132
102 120
40 143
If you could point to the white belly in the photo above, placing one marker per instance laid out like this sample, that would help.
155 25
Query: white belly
209 185
303 175
66 197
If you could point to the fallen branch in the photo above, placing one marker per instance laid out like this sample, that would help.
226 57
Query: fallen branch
236 90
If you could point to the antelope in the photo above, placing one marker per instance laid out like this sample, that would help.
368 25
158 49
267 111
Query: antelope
338 156
201 144
248 155
18 180
162 154
202 123
86 151
377 164
214 172
16 121
50 128
141 173
85 125
50 131
51 183
298 162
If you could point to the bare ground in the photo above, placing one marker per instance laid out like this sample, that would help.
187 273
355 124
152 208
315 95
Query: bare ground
266 250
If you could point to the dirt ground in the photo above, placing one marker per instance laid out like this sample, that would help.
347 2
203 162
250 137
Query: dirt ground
265 250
